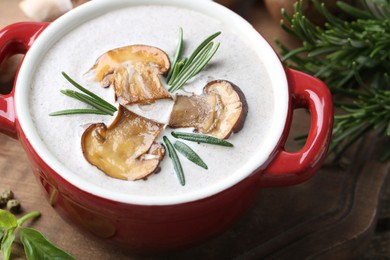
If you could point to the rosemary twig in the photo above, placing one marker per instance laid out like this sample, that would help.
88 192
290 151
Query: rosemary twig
176 161
76 112
179 50
101 106
201 138
353 57
342 49
183 69
89 93
190 154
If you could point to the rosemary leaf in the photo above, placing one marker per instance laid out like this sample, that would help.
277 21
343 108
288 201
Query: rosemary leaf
187 71
201 138
176 69
202 45
352 56
102 106
77 111
89 93
190 154
208 57
175 159
293 53
88 100
356 12
187 68
179 50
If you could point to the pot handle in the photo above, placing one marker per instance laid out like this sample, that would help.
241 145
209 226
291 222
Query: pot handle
15 39
289 168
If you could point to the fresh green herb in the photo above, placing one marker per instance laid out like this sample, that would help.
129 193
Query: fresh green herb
179 50
101 106
89 93
8 224
353 57
187 152
36 246
175 159
190 154
6 242
88 100
183 69
201 138
77 111
368 112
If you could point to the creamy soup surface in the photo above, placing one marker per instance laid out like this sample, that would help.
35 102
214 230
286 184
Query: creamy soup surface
236 61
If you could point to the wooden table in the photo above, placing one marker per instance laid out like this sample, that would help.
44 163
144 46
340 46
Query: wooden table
332 216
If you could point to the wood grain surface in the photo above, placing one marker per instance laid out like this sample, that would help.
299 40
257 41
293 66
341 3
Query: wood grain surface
332 216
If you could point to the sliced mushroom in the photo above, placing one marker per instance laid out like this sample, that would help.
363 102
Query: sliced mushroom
194 111
232 108
126 149
134 72
219 112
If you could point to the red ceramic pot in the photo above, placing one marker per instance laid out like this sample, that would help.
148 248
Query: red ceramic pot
164 223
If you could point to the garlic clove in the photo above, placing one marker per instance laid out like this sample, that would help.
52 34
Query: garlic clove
45 10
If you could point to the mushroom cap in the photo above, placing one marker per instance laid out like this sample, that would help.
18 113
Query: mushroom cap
193 111
221 110
126 149
134 72
232 108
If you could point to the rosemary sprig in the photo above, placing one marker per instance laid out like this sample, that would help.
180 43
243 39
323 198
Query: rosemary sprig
101 106
89 93
175 159
183 69
201 138
190 154
353 57
36 245
77 112
179 50
343 50
369 112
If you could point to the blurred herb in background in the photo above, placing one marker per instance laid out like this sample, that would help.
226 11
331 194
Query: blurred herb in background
353 57
36 246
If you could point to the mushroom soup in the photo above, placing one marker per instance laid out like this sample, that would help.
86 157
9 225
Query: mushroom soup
236 68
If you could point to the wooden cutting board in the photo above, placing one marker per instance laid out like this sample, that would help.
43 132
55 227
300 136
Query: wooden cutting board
332 216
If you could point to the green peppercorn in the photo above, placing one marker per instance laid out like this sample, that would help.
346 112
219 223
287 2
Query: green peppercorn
13 206
7 195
